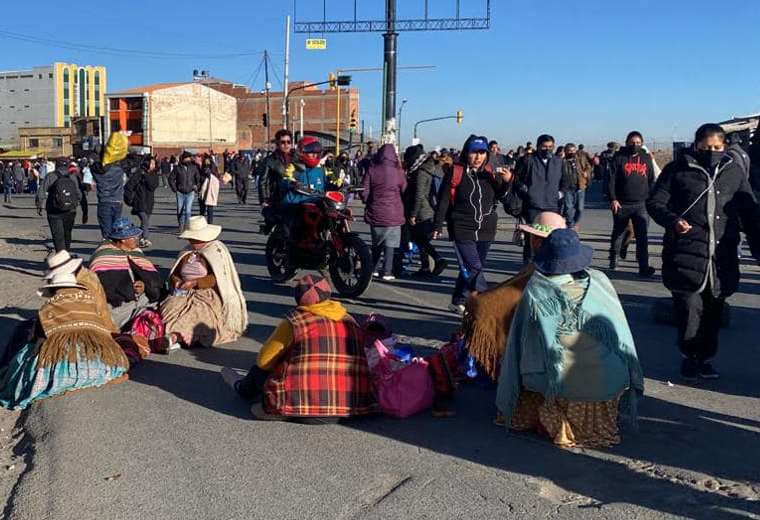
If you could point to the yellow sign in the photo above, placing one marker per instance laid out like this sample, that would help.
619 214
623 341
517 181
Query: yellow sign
316 44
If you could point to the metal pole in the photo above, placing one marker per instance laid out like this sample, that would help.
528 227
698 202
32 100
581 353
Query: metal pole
268 87
337 122
302 104
285 107
398 123
390 38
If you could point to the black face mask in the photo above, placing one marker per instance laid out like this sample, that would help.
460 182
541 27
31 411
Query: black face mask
635 148
544 154
710 159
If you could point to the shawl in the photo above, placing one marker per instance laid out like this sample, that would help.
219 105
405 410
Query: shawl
227 282
534 357
108 257
92 282
118 269
488 317
71 323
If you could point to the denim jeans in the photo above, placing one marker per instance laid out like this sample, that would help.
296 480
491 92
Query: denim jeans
568 207
580 205
184 207
472 258
108 212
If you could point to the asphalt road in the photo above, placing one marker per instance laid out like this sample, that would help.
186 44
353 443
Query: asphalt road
175 443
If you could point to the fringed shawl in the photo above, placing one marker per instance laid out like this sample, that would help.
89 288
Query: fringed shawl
118 269
534 356
488 317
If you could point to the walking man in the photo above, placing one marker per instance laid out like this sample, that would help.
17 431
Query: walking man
701 198
63 197
240 170
630 182
568 186
184 181
109 182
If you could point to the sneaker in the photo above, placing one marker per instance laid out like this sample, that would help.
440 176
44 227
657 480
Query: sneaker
457 308
145 243
613 265
376 274
689 369
706 371
647 272
388 277
440 265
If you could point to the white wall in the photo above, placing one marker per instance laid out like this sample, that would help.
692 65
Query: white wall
32 100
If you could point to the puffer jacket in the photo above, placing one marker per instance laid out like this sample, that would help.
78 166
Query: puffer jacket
383 185
417 202
707 252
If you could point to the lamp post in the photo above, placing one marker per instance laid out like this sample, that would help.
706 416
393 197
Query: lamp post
303 103
400 111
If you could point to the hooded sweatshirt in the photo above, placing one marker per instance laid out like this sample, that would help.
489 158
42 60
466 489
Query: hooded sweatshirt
383 185
282 337
632 177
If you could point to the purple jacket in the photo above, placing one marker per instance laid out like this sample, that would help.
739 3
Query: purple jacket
383 185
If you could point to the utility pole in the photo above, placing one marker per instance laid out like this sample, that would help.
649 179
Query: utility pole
390 38
268 87
302 105
285 73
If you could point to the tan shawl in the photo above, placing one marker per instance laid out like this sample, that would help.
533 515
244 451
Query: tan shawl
227 283
488 317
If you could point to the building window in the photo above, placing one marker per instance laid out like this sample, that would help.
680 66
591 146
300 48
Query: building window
135 125
34 143
67 123
115 125
11 90
58 142
82 92
27 90
50 75
114 103
39 76
134 104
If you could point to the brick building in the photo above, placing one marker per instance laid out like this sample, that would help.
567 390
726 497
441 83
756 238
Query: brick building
320 111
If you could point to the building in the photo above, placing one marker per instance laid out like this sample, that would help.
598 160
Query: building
166 118
320 111
50 141
49 96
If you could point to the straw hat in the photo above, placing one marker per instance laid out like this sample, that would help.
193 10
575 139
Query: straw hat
199 229
61 263
545 223
59 281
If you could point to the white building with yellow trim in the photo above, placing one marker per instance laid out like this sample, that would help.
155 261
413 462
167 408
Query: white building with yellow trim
49 96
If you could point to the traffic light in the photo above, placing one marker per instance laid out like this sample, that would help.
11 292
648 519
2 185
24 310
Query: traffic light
460 116
352 124
332 80
264 120
344 81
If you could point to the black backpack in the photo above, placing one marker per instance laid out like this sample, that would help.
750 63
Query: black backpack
63 193
131 187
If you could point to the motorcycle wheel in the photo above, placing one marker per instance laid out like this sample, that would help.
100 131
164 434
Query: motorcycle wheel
278 259
351 270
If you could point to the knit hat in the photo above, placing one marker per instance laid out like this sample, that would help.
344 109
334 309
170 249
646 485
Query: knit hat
193 269
412 156
312 289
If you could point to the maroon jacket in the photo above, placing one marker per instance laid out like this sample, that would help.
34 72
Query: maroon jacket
383 185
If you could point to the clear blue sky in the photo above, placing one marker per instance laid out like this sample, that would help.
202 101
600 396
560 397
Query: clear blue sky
586 70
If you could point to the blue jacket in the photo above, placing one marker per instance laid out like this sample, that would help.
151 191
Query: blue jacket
312 178
110 184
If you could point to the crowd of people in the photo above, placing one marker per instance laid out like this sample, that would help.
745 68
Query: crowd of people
554 338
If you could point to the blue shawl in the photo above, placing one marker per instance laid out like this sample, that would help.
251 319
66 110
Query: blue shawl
536 360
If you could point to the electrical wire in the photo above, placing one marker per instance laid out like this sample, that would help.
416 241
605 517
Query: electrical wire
123 52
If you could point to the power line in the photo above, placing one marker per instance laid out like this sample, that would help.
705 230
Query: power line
122 52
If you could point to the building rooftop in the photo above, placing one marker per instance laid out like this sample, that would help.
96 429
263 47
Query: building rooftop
145 89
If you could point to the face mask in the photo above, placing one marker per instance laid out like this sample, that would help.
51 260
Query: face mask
570 156
710 159
635 148
544 154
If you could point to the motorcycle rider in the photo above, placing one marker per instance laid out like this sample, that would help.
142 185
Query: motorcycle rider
303 174
270 174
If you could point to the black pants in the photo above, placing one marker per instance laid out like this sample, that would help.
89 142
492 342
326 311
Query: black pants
637 215
241 189
210 214
144 224
529 215
85 205
61 225
698 317
422 233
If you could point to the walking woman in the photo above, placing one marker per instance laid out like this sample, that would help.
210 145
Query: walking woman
144 198
383 185
467 204
209 192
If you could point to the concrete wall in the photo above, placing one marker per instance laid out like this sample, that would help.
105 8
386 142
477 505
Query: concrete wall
192 115
27 99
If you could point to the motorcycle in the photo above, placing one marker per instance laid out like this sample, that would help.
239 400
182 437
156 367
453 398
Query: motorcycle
319 237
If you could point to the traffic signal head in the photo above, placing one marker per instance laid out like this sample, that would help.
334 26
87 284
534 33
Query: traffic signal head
264 119
332 80
460 116
352 124
344 81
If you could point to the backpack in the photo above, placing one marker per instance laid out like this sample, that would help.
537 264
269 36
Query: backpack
63 193
435 190
130 189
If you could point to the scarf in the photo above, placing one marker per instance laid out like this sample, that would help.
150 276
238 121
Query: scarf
227 282
534 356
488 317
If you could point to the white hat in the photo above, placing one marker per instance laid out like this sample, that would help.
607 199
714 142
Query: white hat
59 281
60 263
199 229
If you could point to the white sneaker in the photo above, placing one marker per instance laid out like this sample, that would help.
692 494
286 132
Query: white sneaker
458 309
388 277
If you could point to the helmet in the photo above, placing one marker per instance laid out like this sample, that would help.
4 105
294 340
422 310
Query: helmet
309 145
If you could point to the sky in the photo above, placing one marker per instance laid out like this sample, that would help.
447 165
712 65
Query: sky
586 71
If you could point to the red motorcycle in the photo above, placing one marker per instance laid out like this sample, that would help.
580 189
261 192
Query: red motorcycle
316 235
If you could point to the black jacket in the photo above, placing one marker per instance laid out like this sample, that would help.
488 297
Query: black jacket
632 177
569 180
47 188
538 183
145 193
417 202
471 215
709 248
240 168
271 172
185 178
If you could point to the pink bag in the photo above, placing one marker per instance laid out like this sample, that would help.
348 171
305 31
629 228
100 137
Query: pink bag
402 389
149 325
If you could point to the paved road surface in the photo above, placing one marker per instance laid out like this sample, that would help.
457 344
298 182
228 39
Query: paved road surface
175 443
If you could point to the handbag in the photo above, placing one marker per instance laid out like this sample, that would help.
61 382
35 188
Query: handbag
402 389
226 178
512 202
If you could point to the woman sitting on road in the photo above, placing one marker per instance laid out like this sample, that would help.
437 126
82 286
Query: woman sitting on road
69 346
570 361
131 281
206 306
313 367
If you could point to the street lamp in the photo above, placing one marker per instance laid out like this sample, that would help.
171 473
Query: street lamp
303 103
400 111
